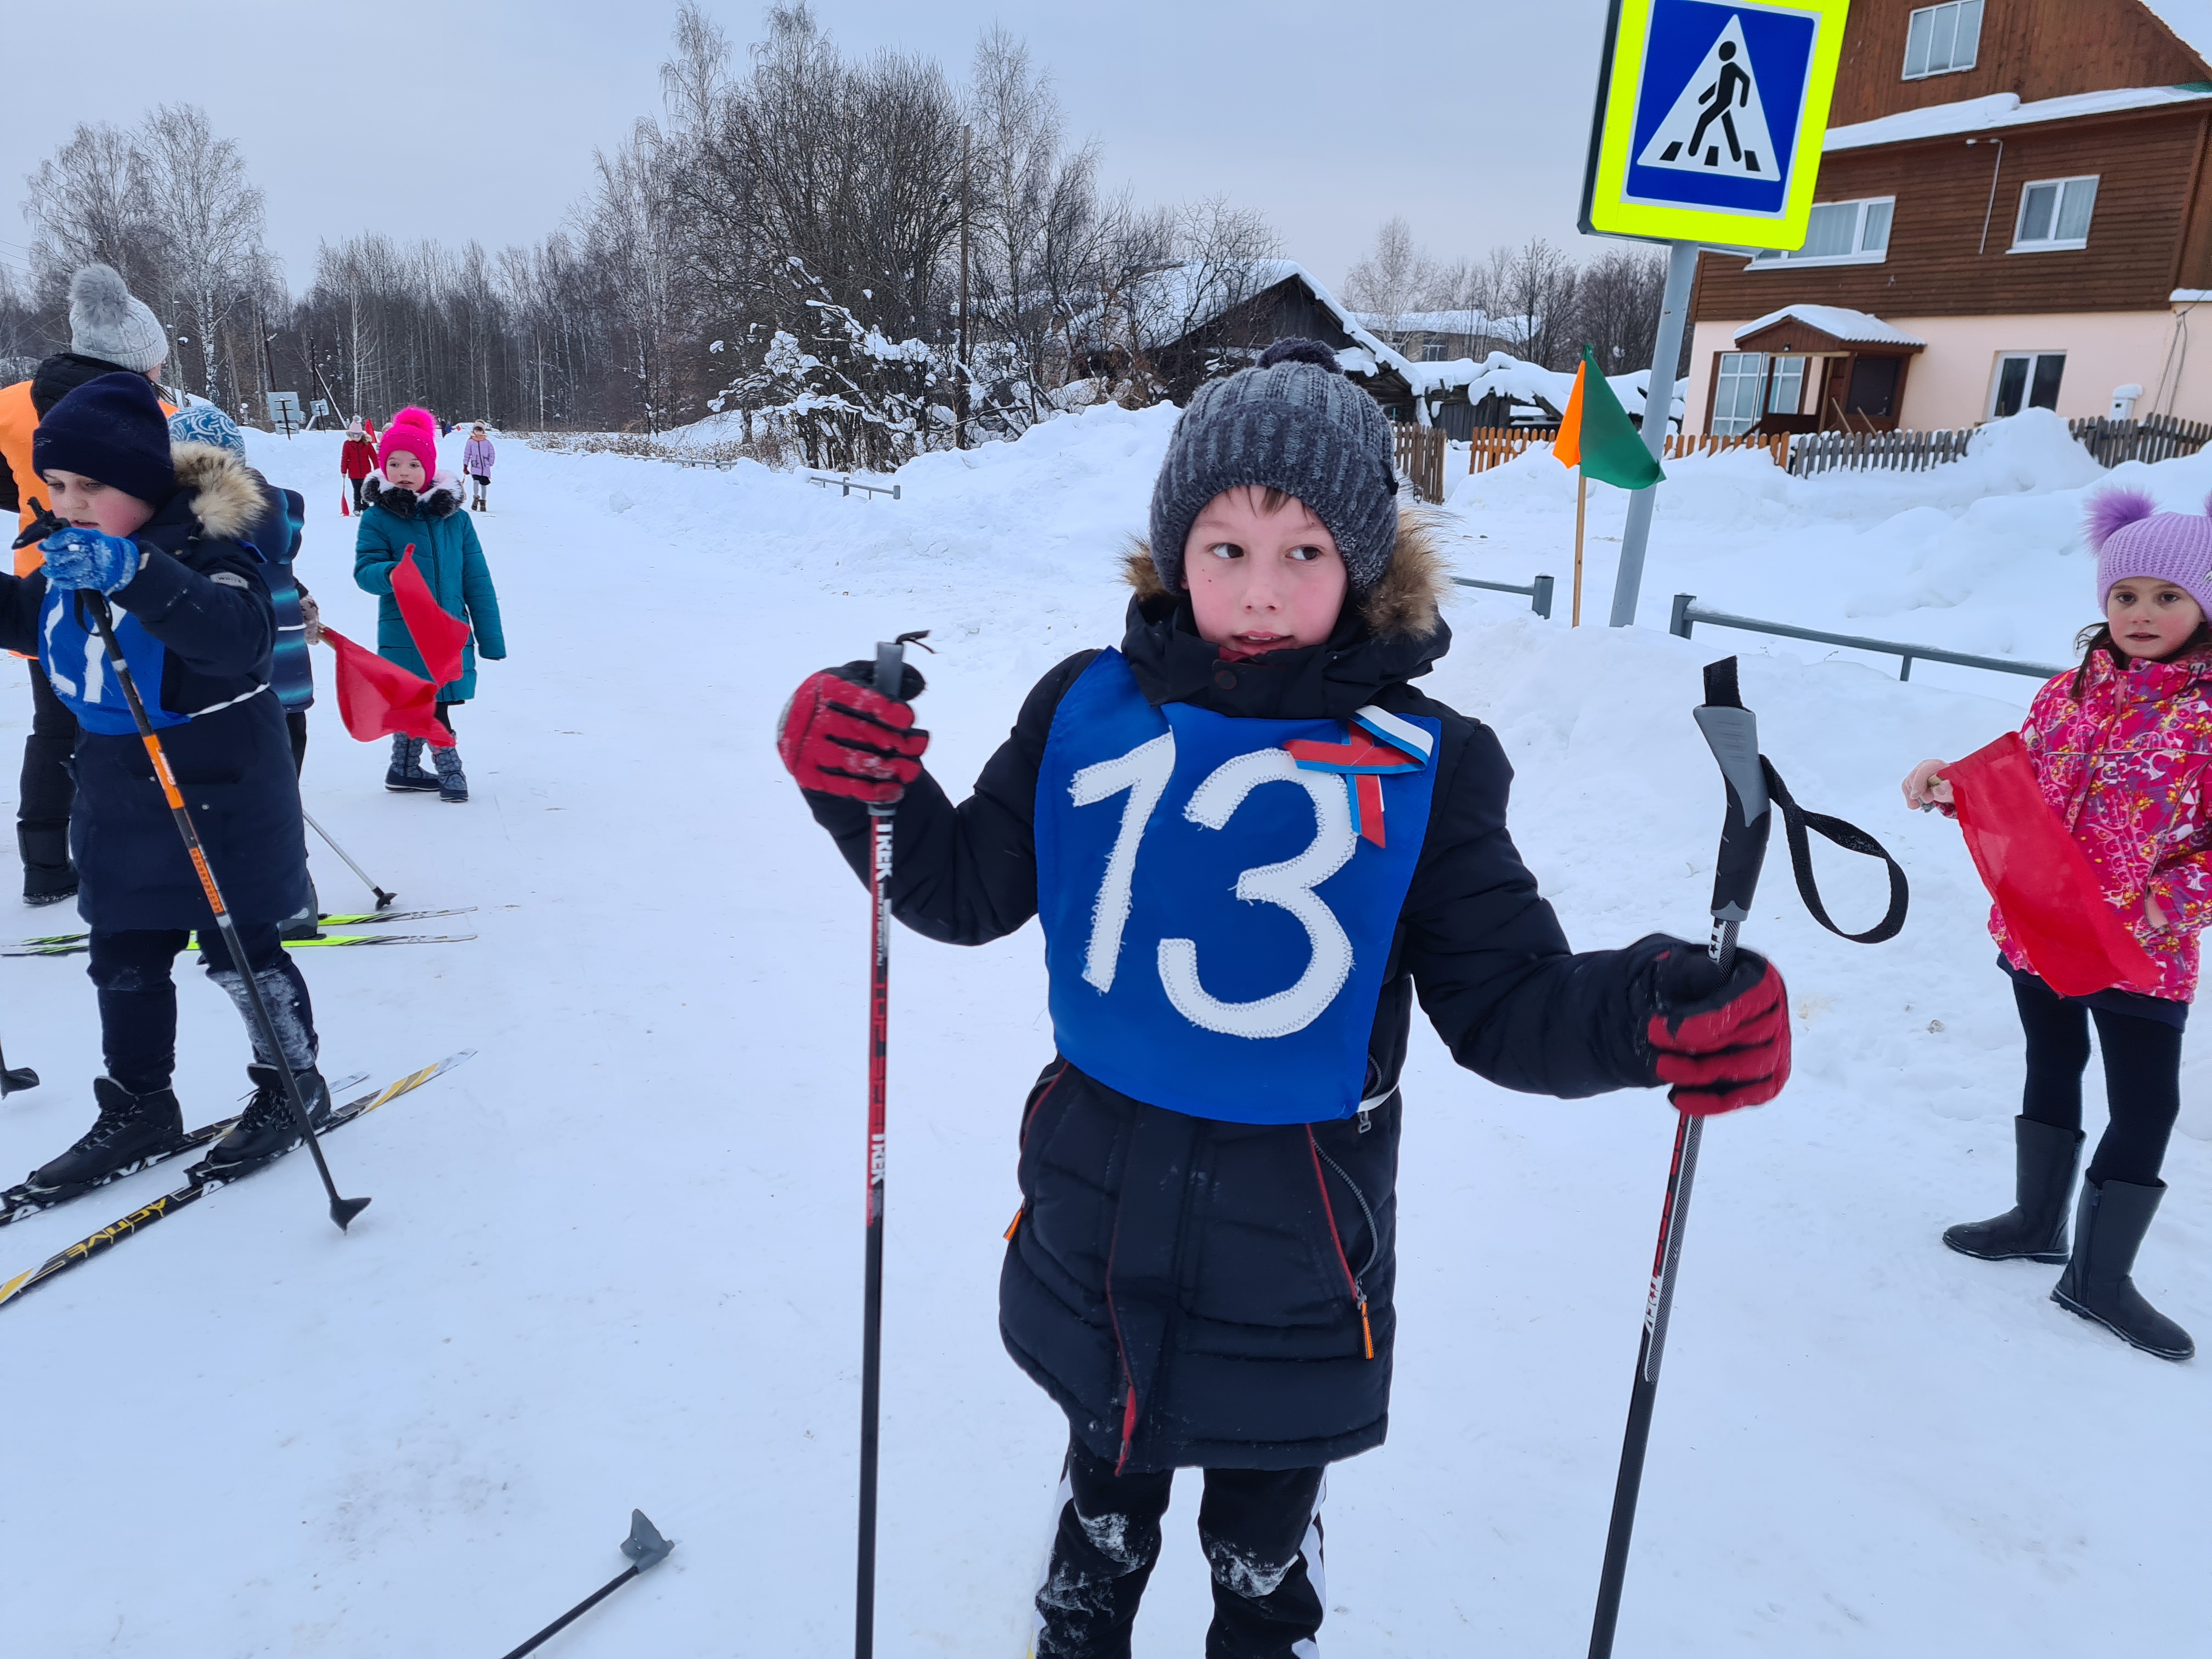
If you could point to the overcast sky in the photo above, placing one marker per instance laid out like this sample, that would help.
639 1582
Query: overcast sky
457 121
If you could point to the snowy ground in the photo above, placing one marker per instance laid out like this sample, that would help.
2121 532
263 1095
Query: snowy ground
614 1260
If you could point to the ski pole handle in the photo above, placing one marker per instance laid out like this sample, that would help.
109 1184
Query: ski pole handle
1732 733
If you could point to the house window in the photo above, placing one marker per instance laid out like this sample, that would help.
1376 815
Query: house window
2026 379
1789 386
1432 351
1940 40
1840 234
2054 213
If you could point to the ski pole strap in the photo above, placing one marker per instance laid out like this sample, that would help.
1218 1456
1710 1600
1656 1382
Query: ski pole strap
1795 821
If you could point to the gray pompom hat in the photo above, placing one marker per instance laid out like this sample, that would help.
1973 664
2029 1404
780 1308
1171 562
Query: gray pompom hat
1293 423
107 323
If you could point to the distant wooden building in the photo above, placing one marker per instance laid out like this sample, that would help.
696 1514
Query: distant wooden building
1279 300
2014 210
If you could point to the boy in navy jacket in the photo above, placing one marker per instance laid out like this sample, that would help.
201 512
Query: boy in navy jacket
163 533
1252 844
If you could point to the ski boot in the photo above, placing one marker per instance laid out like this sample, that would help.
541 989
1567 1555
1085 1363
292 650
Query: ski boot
453 782
2034 1229
405 774
2107 1231
266 1127
49 877
129 1127
308 923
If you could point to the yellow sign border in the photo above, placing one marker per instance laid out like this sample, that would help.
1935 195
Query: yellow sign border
1605 213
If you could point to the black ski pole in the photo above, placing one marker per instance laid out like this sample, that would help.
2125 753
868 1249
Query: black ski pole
890 680
343 1210
383 899
1732 732
646 1548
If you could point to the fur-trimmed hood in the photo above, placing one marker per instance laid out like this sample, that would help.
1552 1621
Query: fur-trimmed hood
226 497
1404 605
442 499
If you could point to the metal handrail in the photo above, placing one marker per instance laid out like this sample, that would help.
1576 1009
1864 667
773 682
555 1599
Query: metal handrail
1686 612
1538 592
847 486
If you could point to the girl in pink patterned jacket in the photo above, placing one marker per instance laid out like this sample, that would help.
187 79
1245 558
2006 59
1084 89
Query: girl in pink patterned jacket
2122 748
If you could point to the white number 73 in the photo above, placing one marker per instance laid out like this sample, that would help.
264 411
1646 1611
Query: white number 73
1144 773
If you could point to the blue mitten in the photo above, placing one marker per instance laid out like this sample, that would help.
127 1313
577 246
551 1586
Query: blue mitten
76 557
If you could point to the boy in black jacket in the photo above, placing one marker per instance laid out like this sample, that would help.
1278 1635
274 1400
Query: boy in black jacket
161 532
1251 844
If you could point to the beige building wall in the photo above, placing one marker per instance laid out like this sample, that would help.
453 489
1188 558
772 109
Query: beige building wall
2167 353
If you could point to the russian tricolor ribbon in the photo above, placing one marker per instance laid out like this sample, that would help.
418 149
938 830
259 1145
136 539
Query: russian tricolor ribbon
1377 744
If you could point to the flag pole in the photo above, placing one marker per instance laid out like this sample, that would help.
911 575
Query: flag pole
1582 483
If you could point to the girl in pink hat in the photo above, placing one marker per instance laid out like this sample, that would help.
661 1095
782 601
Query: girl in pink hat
2122 748
409 502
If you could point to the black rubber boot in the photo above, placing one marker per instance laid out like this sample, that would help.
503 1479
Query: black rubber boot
453 782
2108 1231
267 1127
405 774
2045 1158
49 877
129 1127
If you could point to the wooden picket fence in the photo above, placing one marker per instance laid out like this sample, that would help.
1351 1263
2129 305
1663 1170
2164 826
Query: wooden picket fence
1814 452
2159 438
1681 444
1494 445
1420 454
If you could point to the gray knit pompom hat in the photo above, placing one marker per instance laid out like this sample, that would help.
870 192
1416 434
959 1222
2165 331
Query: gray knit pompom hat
107 323
1293 423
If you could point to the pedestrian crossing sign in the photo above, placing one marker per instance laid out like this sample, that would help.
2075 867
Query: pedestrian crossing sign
1710 118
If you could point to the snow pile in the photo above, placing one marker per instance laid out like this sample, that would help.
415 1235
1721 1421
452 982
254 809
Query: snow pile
616 1259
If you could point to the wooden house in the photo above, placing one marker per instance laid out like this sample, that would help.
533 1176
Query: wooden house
1223 326
2013 211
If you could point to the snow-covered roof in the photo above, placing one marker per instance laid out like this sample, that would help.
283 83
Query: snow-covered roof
1837 323
1427 322
2003 109
1525 383
2190 20
1173 293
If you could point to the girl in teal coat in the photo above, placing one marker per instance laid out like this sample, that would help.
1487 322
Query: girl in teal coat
410 501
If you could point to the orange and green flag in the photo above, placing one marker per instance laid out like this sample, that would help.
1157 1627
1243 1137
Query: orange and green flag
1594 433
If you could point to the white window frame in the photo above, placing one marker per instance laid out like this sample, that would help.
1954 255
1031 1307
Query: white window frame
1963 12
1776 259
2027 386
2053 244
1770 381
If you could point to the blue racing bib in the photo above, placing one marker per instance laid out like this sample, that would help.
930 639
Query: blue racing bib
1218 895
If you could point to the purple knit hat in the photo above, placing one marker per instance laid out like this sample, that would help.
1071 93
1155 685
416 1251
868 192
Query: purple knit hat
2132 538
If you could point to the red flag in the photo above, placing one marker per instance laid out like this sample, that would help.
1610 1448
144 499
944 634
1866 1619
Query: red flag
345 503
438 637
2051 900
379 699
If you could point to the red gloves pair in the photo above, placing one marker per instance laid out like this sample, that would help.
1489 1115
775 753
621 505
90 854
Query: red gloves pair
842 737
1721 1045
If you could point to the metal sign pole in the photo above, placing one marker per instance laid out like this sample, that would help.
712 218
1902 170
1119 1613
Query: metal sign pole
1658 396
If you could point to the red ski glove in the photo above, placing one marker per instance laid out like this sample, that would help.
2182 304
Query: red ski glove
838 735
1723 1047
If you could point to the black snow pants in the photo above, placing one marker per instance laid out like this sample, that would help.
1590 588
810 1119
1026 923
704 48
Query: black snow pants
46 788
138 999
1262 1533
2142 1078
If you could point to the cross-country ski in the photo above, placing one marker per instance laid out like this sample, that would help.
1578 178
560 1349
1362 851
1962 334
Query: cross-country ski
1239 864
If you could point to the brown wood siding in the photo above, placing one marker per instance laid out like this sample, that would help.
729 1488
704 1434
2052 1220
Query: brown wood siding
2147 166
2036 48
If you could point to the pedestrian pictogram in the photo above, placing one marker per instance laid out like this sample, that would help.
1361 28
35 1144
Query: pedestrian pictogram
1710 118
1718 123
